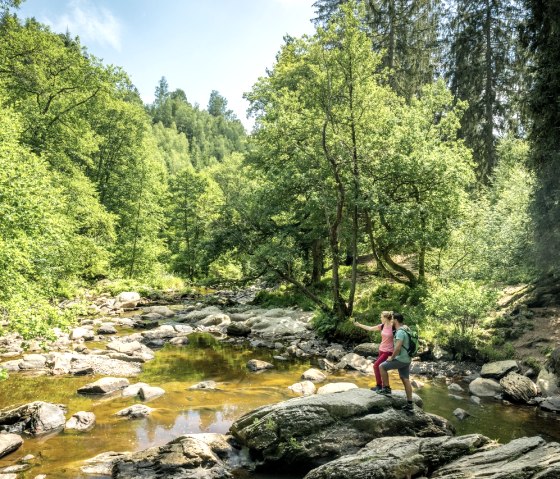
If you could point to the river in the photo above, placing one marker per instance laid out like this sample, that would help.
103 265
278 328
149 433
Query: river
182 411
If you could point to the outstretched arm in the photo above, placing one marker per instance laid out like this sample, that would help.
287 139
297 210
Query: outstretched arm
363 326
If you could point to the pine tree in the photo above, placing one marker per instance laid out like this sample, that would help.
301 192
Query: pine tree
481 69
542 35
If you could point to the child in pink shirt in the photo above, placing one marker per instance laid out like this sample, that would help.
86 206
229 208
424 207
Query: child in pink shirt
386 346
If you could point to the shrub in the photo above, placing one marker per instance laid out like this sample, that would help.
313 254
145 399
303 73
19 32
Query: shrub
324 324
461 305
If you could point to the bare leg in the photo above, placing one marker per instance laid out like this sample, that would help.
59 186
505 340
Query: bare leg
384 376
407 388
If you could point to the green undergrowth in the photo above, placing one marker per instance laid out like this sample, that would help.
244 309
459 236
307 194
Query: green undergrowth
157 287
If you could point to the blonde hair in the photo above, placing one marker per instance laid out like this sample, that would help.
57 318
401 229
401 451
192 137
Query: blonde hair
387 314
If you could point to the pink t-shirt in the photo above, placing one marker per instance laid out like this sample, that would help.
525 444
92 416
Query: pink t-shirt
386 338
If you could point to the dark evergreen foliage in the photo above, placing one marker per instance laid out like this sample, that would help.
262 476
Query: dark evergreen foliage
541 34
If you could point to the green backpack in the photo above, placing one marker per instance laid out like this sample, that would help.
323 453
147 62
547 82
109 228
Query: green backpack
412 341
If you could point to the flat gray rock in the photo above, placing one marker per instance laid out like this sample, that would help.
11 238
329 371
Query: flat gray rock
258 365
314 375
524 458
132 390
551 404
9 443
104 386
399 457
208 385
499 369
136 411
102 464
145 393
367 349
485 387
303 388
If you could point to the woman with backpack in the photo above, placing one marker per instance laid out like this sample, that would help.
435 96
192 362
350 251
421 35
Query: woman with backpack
385 348
400 360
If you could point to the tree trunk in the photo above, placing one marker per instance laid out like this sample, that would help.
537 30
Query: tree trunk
339 305
489 97
317 253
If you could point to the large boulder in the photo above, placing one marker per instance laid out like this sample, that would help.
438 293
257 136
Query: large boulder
303 388
314 375
34 418
33 361
312 430
399 457
499 369
104 386
277 323
551 404
553 363
524 458
102 464
238 329
472 456
165 331
208 456
82 333
126 300
482 387
367 349
518 388
357 362
9 443
548 383
145 393
197 315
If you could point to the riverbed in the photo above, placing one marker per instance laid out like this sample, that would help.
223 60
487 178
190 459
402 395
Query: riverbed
182 411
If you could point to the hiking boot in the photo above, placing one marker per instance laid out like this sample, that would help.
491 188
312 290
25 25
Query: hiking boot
386 391
377 389
408 408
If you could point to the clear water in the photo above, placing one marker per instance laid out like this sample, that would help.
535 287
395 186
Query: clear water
181 411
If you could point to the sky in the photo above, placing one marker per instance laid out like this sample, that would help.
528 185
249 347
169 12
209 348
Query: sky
198 45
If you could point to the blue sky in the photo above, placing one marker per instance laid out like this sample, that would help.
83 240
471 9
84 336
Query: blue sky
198 45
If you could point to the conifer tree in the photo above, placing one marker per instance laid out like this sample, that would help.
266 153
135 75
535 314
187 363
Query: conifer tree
542 35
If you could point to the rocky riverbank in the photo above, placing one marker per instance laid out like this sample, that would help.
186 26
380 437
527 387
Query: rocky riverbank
352 434
116 347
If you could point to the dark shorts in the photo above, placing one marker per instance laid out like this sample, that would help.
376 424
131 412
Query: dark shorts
404 368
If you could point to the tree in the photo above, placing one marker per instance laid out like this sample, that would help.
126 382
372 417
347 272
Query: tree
541 34
482 70
418 183
212 134
405 34
319 119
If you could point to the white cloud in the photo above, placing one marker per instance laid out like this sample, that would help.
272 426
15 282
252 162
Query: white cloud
93 24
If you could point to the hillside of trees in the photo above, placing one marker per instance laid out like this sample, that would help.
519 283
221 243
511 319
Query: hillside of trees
408 145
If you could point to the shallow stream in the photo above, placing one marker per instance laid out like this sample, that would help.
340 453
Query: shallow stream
181 411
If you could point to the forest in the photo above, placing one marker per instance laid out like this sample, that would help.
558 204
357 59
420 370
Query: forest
406 156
